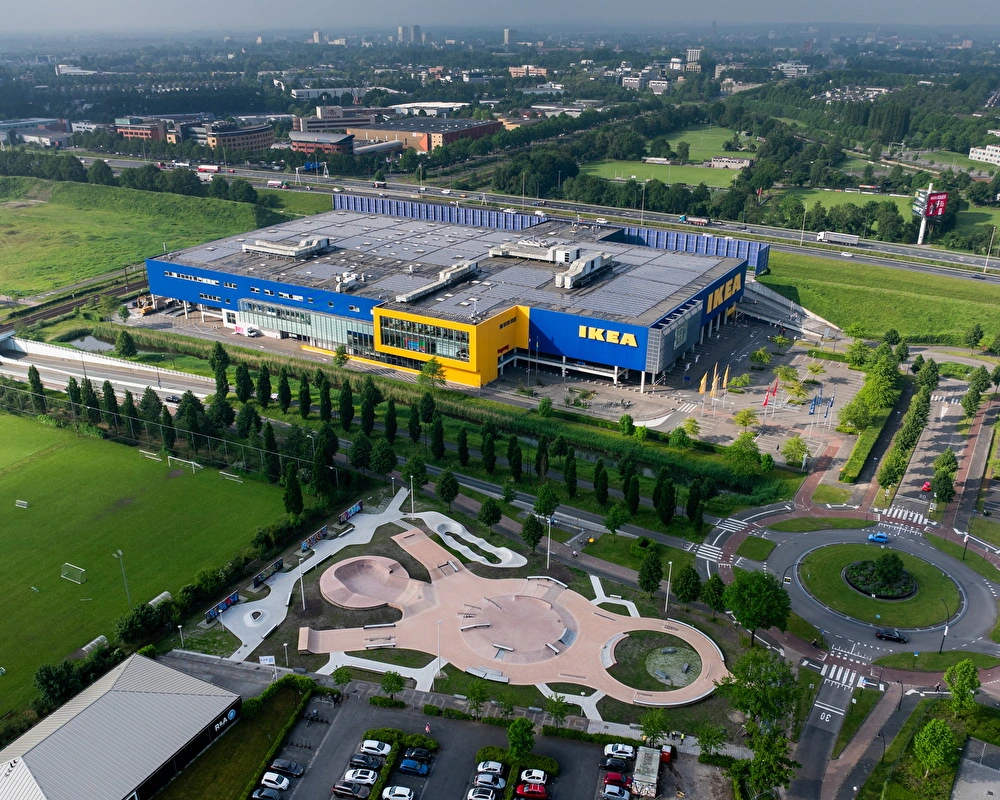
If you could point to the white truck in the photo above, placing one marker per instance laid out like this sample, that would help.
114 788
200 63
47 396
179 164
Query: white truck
247 330
832 237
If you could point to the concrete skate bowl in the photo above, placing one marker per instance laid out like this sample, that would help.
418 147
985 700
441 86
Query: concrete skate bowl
369 582
517 628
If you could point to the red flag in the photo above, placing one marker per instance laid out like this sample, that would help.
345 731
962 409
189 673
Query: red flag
774 391
767 396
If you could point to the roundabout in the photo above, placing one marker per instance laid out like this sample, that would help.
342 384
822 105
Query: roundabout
825 574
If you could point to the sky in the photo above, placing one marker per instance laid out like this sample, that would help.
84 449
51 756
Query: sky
245 15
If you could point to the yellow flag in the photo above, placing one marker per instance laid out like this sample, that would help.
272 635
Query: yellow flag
701 388
715 385
725 378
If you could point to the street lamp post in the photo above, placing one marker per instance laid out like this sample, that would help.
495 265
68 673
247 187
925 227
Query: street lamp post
121 560
899 705
180 630
941 647
302 589
411 496
286 653
670 572
548 545
437 668
881 736
965 549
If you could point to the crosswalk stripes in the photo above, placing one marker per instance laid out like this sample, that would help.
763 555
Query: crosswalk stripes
838 675
905 515
731 525
706 551
688 407
945 398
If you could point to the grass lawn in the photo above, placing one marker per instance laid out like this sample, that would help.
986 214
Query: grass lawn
862 702
299 203
879 298
223 770
934 662
972 559
946 158
951 369
985 529
691 175
806 524
616 550
806 631
398 658
809 683
89 499
457 682
977 215
821 573
755 548
632 652
831 494
705 140
830 198
53 234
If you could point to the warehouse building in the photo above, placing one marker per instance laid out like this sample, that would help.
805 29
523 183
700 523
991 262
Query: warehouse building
400 282
123 737
426 133
311 142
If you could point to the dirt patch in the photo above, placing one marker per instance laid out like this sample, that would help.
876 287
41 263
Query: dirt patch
175 473
122 502
21 203
694 780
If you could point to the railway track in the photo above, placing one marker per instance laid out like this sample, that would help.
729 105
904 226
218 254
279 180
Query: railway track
58 309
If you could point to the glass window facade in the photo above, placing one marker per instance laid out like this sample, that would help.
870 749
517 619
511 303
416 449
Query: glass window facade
321 330
421 337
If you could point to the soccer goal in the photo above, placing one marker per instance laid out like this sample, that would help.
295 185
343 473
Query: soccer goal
74 574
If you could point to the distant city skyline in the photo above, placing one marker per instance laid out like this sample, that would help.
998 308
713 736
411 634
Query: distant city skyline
112 16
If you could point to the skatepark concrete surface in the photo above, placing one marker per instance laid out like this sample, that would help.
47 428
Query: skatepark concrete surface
530 630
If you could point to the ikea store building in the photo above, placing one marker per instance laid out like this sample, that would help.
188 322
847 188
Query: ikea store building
398 282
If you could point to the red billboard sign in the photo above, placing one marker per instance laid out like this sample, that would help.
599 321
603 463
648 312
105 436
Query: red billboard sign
937 203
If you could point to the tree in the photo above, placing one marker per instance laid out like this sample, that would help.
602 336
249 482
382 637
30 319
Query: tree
794 450
446 487
557 708
691 427
679 438
391 423
943 486
244 384
125 345
545 407
520 738
601 483
415 469
743 456
463 446
902 352
109 403
392 683
711 738
490 513
247 421
546 501
963 683
437 437
305 397
973 336
488 452
370 391
340 357
626 425
761 357
383 457
427 407
325 400
367 416
667 506
979 379
761 685
650 572
516 463
693 499
532 531
221 413
935 746
569 473
100 173
168 435
687 585
292 496
616 517
88 397
653 724
858 353
37 390
431 374
542 458
218 358
345 405
946 462
284 391
360 455
342 676
476 696
970 402
770 766
758 600
272 464
263 388
746 417
509 493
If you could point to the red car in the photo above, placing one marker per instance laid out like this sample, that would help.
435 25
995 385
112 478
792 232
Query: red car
532 790
617 779
926 487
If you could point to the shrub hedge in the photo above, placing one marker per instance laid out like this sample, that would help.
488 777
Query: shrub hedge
863 446
432 710
385 702
583 736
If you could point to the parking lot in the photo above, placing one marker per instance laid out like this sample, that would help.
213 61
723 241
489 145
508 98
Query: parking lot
451 771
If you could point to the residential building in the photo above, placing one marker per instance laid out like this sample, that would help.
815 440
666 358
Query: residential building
636 82
694 54
730 162
509 36
793 69
528 71
989 154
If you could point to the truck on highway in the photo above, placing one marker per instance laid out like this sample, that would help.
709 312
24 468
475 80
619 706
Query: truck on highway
210 168
702 221
832 237
277 185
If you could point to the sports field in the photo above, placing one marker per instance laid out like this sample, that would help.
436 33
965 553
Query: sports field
705 140
88 499
662 172
830 199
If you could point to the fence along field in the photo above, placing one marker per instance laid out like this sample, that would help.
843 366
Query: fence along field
86 500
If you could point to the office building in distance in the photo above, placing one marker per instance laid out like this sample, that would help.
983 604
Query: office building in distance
426 133
398 282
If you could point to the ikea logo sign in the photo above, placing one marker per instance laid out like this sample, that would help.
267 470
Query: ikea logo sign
722 294
604 335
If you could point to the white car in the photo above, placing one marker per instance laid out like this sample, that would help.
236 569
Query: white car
365 777
847 255
374 747
489 781
397 793
618 750
533 776
601 221
492 767
616 793
272 780
481 794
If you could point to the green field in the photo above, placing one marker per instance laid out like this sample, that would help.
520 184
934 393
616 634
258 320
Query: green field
922 307
89 498
831 199
54 234
299 203
978 215
668 174
705 140
942 159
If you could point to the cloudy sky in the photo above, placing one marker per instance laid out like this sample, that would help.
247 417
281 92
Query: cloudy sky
237 15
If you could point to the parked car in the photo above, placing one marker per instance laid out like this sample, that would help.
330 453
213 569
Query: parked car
616 793
365 776
272 780
878 538
534 776
413 767
617 779
489 781
263 793
374 747
419 754
364 761
285 767
890 635
535 791
493 767
619 750
613 763
349 789
480 793
397 793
